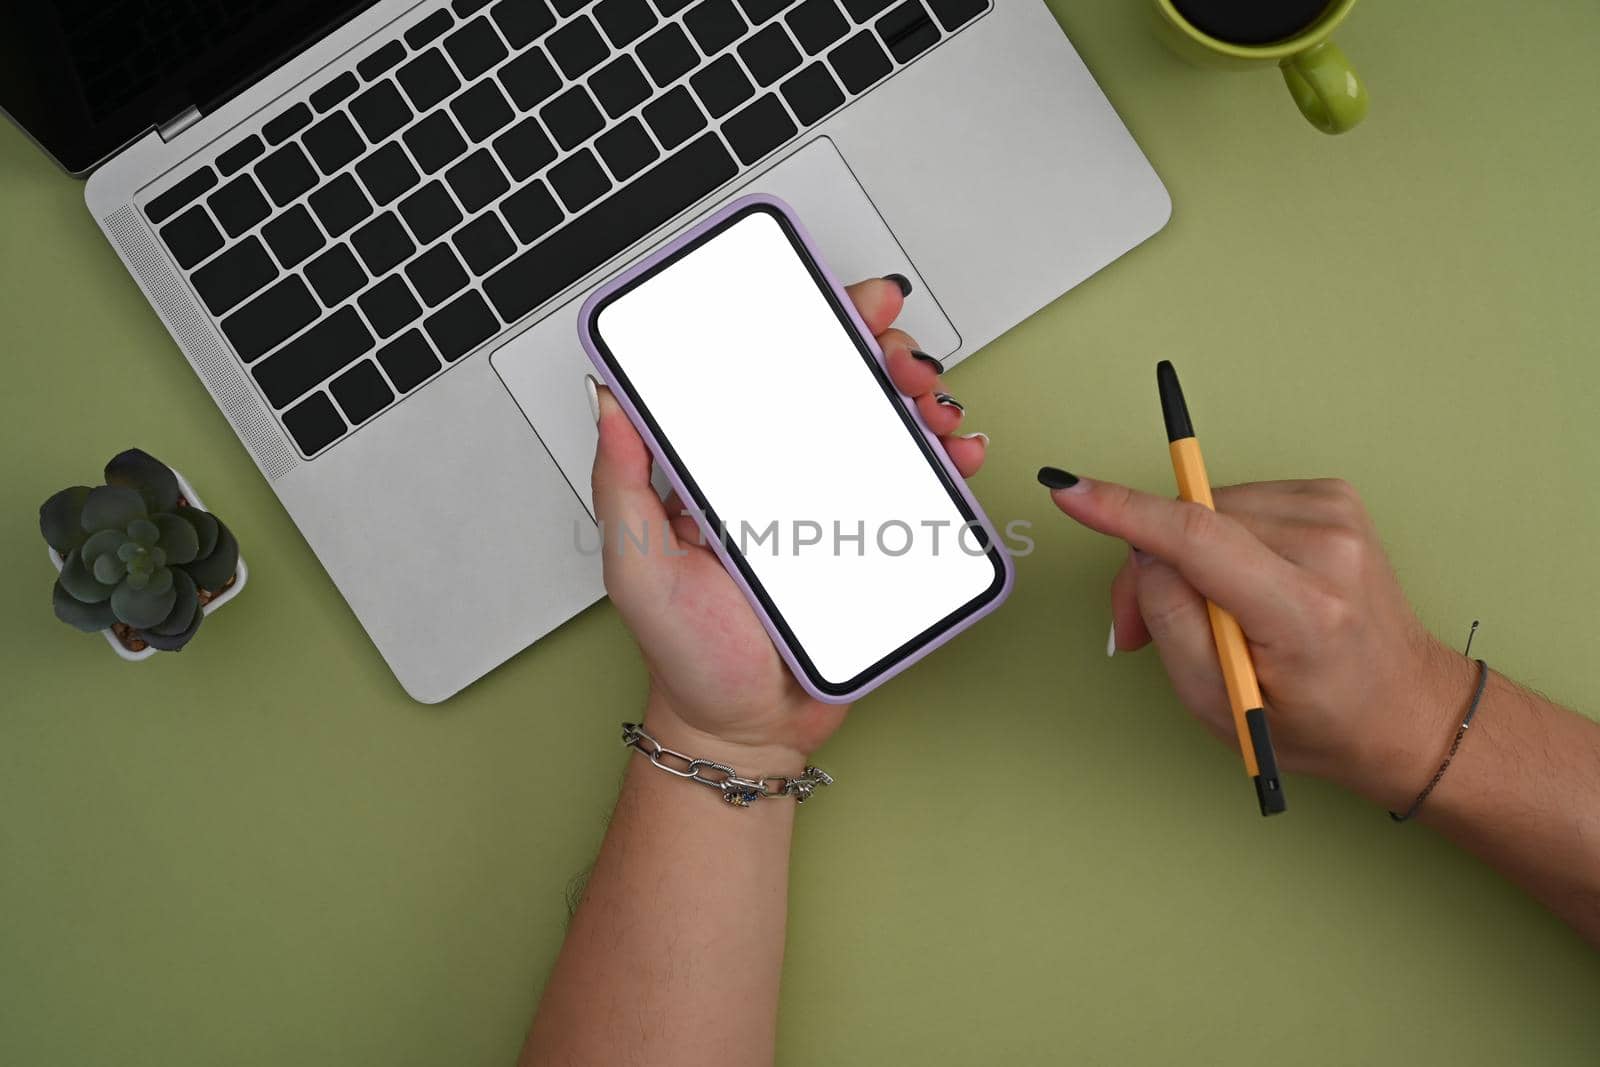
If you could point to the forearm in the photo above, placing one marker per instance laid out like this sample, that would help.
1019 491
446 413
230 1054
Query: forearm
1522 793
676 950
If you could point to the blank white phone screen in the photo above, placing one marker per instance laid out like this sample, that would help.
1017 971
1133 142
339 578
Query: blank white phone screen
771 409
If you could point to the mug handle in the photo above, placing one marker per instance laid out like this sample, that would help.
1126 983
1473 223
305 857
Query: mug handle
1326 88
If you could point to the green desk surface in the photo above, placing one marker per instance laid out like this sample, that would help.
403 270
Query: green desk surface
261 852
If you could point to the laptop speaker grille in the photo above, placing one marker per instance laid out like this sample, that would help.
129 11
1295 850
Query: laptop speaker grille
215 364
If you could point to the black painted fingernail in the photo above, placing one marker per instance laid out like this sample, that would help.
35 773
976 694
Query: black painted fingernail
917 353
902 281
948 401
1056 478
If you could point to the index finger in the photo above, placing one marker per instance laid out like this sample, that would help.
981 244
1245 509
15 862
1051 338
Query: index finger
1228 564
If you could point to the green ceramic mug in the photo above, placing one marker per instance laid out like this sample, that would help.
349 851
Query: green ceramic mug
1320 78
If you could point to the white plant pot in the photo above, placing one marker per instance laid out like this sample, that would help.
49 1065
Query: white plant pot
239 576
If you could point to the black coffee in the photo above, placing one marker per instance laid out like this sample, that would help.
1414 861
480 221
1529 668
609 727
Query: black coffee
1251 21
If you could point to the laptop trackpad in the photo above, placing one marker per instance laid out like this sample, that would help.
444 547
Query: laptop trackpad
543 367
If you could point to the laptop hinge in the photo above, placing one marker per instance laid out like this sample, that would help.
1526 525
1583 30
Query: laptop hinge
178 123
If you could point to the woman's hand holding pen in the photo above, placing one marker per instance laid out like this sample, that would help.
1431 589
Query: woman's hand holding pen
1358 691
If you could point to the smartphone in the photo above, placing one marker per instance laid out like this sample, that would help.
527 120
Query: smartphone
764 399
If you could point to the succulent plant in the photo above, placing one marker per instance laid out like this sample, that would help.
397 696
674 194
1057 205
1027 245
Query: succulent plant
135 552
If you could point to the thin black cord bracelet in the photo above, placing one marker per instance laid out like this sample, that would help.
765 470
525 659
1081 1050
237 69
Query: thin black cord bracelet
1472 709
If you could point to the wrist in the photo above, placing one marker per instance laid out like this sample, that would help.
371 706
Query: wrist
749 758
1394 762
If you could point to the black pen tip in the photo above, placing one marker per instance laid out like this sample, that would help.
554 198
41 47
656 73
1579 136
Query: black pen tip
1174 410
1269 795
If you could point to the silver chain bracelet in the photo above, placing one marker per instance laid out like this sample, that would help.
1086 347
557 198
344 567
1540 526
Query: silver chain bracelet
740 792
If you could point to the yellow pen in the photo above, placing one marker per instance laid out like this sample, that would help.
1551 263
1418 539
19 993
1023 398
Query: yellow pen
1238 672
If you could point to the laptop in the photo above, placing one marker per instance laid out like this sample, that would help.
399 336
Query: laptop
369 226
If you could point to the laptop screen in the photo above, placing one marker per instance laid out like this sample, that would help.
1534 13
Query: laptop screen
85 77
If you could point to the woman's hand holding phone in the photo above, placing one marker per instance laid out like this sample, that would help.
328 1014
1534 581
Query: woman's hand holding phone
718 688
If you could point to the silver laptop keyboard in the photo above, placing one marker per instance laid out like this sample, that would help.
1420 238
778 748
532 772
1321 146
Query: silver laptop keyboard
487 158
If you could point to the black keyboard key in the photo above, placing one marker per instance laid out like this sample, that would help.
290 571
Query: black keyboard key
234 275
860 62
532 212
463 8
383 244
169 203
624 21
389 306
271 319
579 180
907 31
191 237
816 24
335 92
481 110
668 8
759 11
769 55
668 54
722 86
484 243
578 47
429 29
314 424
812 94
611 226
475 48
675 117
569 7
477 181
460 326
627 149
530 79
313 357
333 142
383 59
239 205
408 360
387 173
714 24
437 275
361 392
335 275
523 21
759 128
293 236
953 14
434 142
862 10
524 149
286 125
430 212
572 117
428 79
619 86
340 205
380 110
240 155
286 174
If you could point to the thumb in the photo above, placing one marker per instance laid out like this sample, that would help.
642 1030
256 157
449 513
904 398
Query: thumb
631 516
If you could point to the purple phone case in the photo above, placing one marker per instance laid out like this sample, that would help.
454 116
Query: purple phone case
585 335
